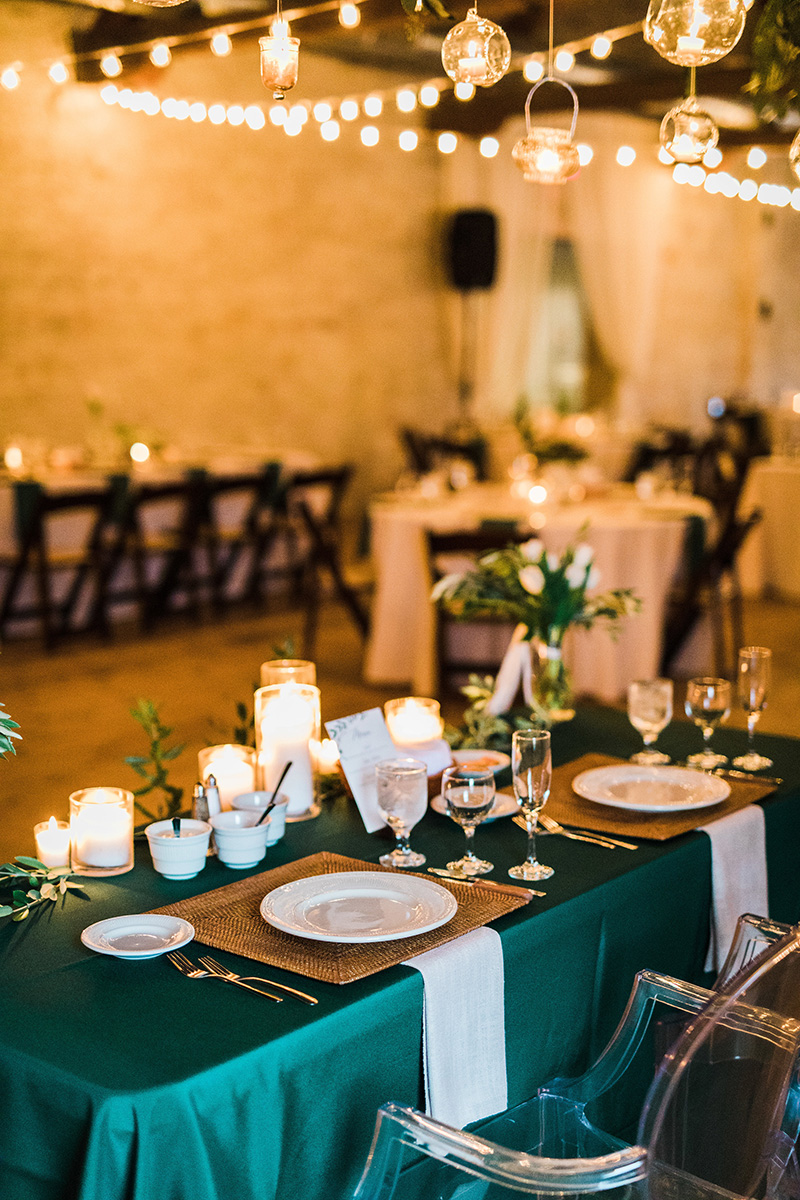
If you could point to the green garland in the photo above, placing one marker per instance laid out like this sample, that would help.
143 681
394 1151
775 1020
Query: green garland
775 80
7 733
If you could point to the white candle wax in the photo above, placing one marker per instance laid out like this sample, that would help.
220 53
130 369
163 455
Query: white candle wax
52 843
413 723
288 722
234 775
101 834
691 47
473 69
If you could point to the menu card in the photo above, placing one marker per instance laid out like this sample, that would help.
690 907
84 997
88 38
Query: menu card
363 741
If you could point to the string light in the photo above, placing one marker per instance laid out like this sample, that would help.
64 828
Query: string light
161 55
9 78
533 70
348 110
322 111
626 156
221 45
565 61
489 147
216 114
447 142
373 106
756 158
585 154
601 46
110 66
349 15
329 130
406 100
463 90
370 135
408 140
429 95
58 72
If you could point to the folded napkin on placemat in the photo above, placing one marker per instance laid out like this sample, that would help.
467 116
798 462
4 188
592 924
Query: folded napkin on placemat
570 809
463 1028
738 876
229 919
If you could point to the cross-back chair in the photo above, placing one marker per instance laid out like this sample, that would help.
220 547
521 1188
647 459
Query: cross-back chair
239 530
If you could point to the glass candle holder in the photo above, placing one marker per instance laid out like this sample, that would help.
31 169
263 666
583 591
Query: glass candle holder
279 58
288 670
476 51
287 718
52 842
416 727
101 831
693 33
233 767
547 154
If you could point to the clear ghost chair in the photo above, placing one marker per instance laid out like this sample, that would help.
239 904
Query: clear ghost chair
557 1144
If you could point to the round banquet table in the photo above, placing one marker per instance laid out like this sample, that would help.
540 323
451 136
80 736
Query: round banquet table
770 558
638 544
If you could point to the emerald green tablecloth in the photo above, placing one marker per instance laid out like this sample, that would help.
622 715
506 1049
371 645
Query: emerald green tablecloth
125 1081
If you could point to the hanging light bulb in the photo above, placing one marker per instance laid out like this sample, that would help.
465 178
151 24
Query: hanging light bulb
110 66
221 45
476 51
279 57
547 154
349 15
58 72
692 33
687 132
161 55
794 155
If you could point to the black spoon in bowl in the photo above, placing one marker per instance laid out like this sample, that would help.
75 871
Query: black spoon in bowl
273 800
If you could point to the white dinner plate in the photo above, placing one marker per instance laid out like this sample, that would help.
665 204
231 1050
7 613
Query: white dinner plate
482 760
504 806
358 906
651 789
141 935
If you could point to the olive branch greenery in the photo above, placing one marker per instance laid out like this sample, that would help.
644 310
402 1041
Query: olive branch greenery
32 883
154 766
775 79
7 733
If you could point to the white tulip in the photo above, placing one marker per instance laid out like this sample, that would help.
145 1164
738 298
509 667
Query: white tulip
553 561
532 579
584 554
594 578
575 575
533 549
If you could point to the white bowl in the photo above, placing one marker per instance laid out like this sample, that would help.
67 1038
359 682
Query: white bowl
256 802
179 857
241 842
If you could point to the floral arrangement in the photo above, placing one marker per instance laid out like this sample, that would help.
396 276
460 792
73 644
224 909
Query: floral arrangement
545 594
544 449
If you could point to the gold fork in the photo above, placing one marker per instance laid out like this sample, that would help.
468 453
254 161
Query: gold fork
187 968
553 826
216 968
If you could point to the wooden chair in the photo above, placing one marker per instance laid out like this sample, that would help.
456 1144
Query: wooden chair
58 575
240 526
312 505
428 452
161 562
712 587
458 550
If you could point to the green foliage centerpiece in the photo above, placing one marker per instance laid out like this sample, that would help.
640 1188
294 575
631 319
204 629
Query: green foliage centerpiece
545 594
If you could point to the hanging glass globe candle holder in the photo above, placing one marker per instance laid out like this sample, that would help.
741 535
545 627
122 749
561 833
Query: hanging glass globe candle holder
547 154
693 33
476 51
279 57
794 155
688 133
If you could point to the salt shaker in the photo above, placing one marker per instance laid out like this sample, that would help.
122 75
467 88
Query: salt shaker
212 796
199 802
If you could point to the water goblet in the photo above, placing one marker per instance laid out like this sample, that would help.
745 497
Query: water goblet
468 796
532 770
752 686
650 711
708 703
403 800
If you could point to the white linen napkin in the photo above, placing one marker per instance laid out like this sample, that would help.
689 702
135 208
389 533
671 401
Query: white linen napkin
463 1028
515 668
738 876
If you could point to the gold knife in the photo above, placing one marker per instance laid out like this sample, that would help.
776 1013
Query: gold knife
507 889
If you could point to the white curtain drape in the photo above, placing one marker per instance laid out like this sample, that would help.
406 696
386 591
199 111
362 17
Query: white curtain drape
618 219
507 313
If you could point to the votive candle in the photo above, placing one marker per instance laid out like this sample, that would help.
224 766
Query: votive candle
52 842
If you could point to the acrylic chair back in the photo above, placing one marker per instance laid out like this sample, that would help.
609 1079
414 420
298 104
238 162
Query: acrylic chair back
721 1117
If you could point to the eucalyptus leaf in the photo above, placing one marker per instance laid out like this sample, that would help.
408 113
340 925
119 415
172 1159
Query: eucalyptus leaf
30 862
48 891
19 897
34 894
5 910
20 914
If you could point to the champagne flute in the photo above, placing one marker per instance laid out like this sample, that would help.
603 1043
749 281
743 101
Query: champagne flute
650 711
708 703
752 685
403 800
532 769
468 797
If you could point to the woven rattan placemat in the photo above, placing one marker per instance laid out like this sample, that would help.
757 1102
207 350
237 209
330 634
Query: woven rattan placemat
570 809
229 919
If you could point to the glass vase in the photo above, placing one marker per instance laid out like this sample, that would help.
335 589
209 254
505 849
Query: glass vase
552 686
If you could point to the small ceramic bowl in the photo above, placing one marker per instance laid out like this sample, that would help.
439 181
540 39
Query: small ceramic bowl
241 842
178 857
256 802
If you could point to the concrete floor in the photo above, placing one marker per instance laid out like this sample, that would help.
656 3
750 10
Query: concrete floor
73 706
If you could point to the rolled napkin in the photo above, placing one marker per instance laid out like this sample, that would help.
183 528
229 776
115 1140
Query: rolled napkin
463 1028
515 668
738 876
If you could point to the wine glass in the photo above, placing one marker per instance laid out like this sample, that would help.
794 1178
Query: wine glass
752 685
708 703
532 769
403 800
468 796
650 711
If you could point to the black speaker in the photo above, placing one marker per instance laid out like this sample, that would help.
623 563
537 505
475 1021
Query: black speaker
472 248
